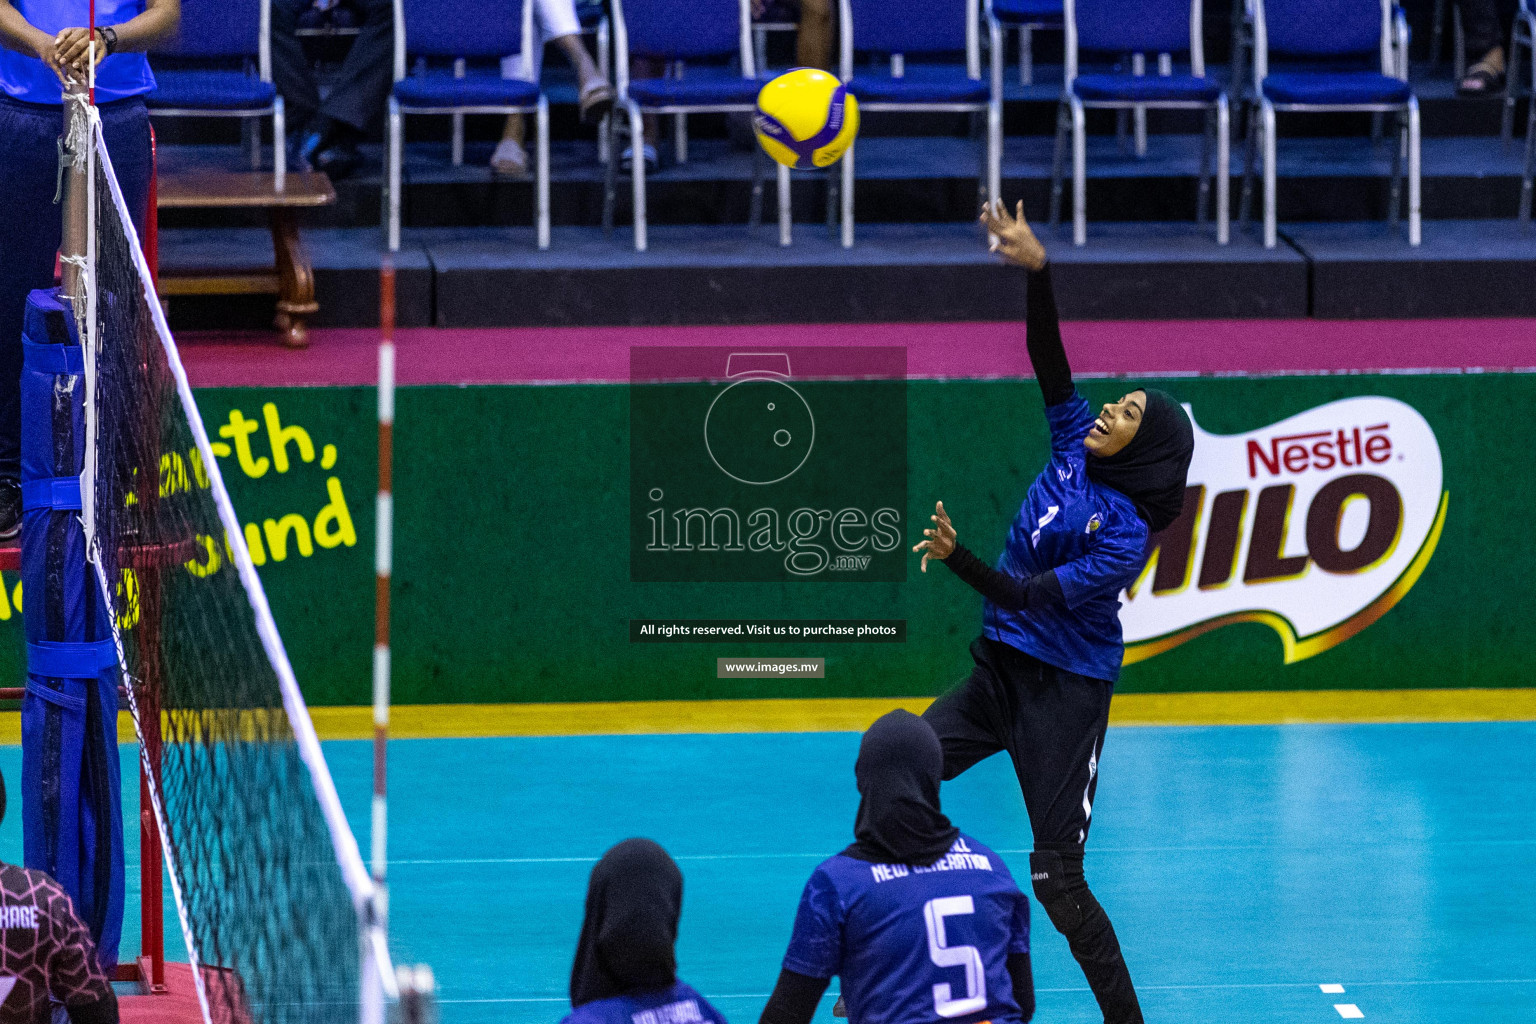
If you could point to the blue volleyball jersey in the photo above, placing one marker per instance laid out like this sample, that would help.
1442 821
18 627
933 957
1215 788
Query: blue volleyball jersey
119 76
914 944
1092 537
679 1004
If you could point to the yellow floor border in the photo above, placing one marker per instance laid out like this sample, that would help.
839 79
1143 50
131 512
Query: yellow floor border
441 721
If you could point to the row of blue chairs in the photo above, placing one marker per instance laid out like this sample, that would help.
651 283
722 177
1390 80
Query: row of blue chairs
1308 55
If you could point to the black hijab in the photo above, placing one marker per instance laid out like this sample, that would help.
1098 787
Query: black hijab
899 767
634 899
1153 469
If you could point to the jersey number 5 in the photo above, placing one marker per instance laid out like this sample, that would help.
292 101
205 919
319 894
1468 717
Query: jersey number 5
944 955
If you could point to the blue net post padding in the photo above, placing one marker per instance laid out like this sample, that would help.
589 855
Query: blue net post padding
72 821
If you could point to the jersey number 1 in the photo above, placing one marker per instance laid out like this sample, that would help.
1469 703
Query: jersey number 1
944 955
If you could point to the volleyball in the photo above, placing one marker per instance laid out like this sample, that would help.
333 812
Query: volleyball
806 118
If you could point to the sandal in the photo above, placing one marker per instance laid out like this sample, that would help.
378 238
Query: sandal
596 101
1482 80
510 159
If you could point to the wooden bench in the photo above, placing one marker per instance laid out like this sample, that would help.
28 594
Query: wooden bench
291 277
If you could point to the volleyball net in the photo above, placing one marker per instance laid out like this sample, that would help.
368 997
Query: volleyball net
281 921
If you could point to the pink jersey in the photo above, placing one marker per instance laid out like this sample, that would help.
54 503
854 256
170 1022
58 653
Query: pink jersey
45 947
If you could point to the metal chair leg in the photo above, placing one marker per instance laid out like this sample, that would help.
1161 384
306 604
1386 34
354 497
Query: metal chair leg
1414 194
1139 115
279 145
1203 198
541 169
606 132
1521 36
1458 43
1079 173
847 197
1056 164
834 199
637 173
680 138
994 151
1245 198
1223 172
250 128
1395 191
1267 113
604 138
755 205
786 222
1530 164
1437 33
1238 16
396 142
1026 55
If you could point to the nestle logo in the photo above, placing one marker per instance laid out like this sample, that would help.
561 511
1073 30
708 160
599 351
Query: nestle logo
1320 450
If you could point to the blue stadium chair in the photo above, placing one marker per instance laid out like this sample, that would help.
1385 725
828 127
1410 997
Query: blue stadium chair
1147 26
461 30
1362 46
903 28
677 31
1027 16
236 33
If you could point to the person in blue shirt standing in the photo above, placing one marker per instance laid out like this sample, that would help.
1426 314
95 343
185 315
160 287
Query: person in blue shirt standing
43 43
1051 646
922 922
626 968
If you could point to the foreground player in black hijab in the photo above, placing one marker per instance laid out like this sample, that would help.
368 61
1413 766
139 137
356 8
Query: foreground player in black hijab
1050 649
626 970
920 921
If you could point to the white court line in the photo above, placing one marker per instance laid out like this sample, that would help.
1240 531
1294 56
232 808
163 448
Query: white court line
429 861
1349 1011
1084 988
1332 990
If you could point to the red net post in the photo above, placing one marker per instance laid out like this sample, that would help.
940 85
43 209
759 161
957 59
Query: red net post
151 963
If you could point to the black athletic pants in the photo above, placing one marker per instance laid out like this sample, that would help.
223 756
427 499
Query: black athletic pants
1052 723
357 97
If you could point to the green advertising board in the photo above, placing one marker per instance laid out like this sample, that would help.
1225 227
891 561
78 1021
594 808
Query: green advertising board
1341 532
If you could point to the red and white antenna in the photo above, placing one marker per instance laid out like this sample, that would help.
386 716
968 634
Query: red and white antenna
383 567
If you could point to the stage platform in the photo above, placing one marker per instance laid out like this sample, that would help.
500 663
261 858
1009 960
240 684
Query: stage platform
496 277
905 178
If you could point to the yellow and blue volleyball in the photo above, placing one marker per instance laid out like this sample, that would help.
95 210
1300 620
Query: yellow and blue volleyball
806 118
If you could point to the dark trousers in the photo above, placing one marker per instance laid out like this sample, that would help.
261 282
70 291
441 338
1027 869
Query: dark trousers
366 76
32 225
1052 723
1485 23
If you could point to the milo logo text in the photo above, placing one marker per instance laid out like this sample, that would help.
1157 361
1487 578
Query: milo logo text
1316 526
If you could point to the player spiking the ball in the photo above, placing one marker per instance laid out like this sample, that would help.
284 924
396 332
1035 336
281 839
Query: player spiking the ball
1051 648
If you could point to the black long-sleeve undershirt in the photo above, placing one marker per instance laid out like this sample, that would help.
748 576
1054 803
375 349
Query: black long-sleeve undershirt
1043 338
794 999
1005 591
796 996
102 1011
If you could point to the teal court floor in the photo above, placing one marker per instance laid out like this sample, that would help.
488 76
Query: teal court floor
1245 867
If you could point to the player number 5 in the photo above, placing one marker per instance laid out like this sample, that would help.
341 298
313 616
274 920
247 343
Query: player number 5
934 912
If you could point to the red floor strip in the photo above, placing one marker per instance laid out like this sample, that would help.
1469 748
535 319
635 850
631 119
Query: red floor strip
1106 348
